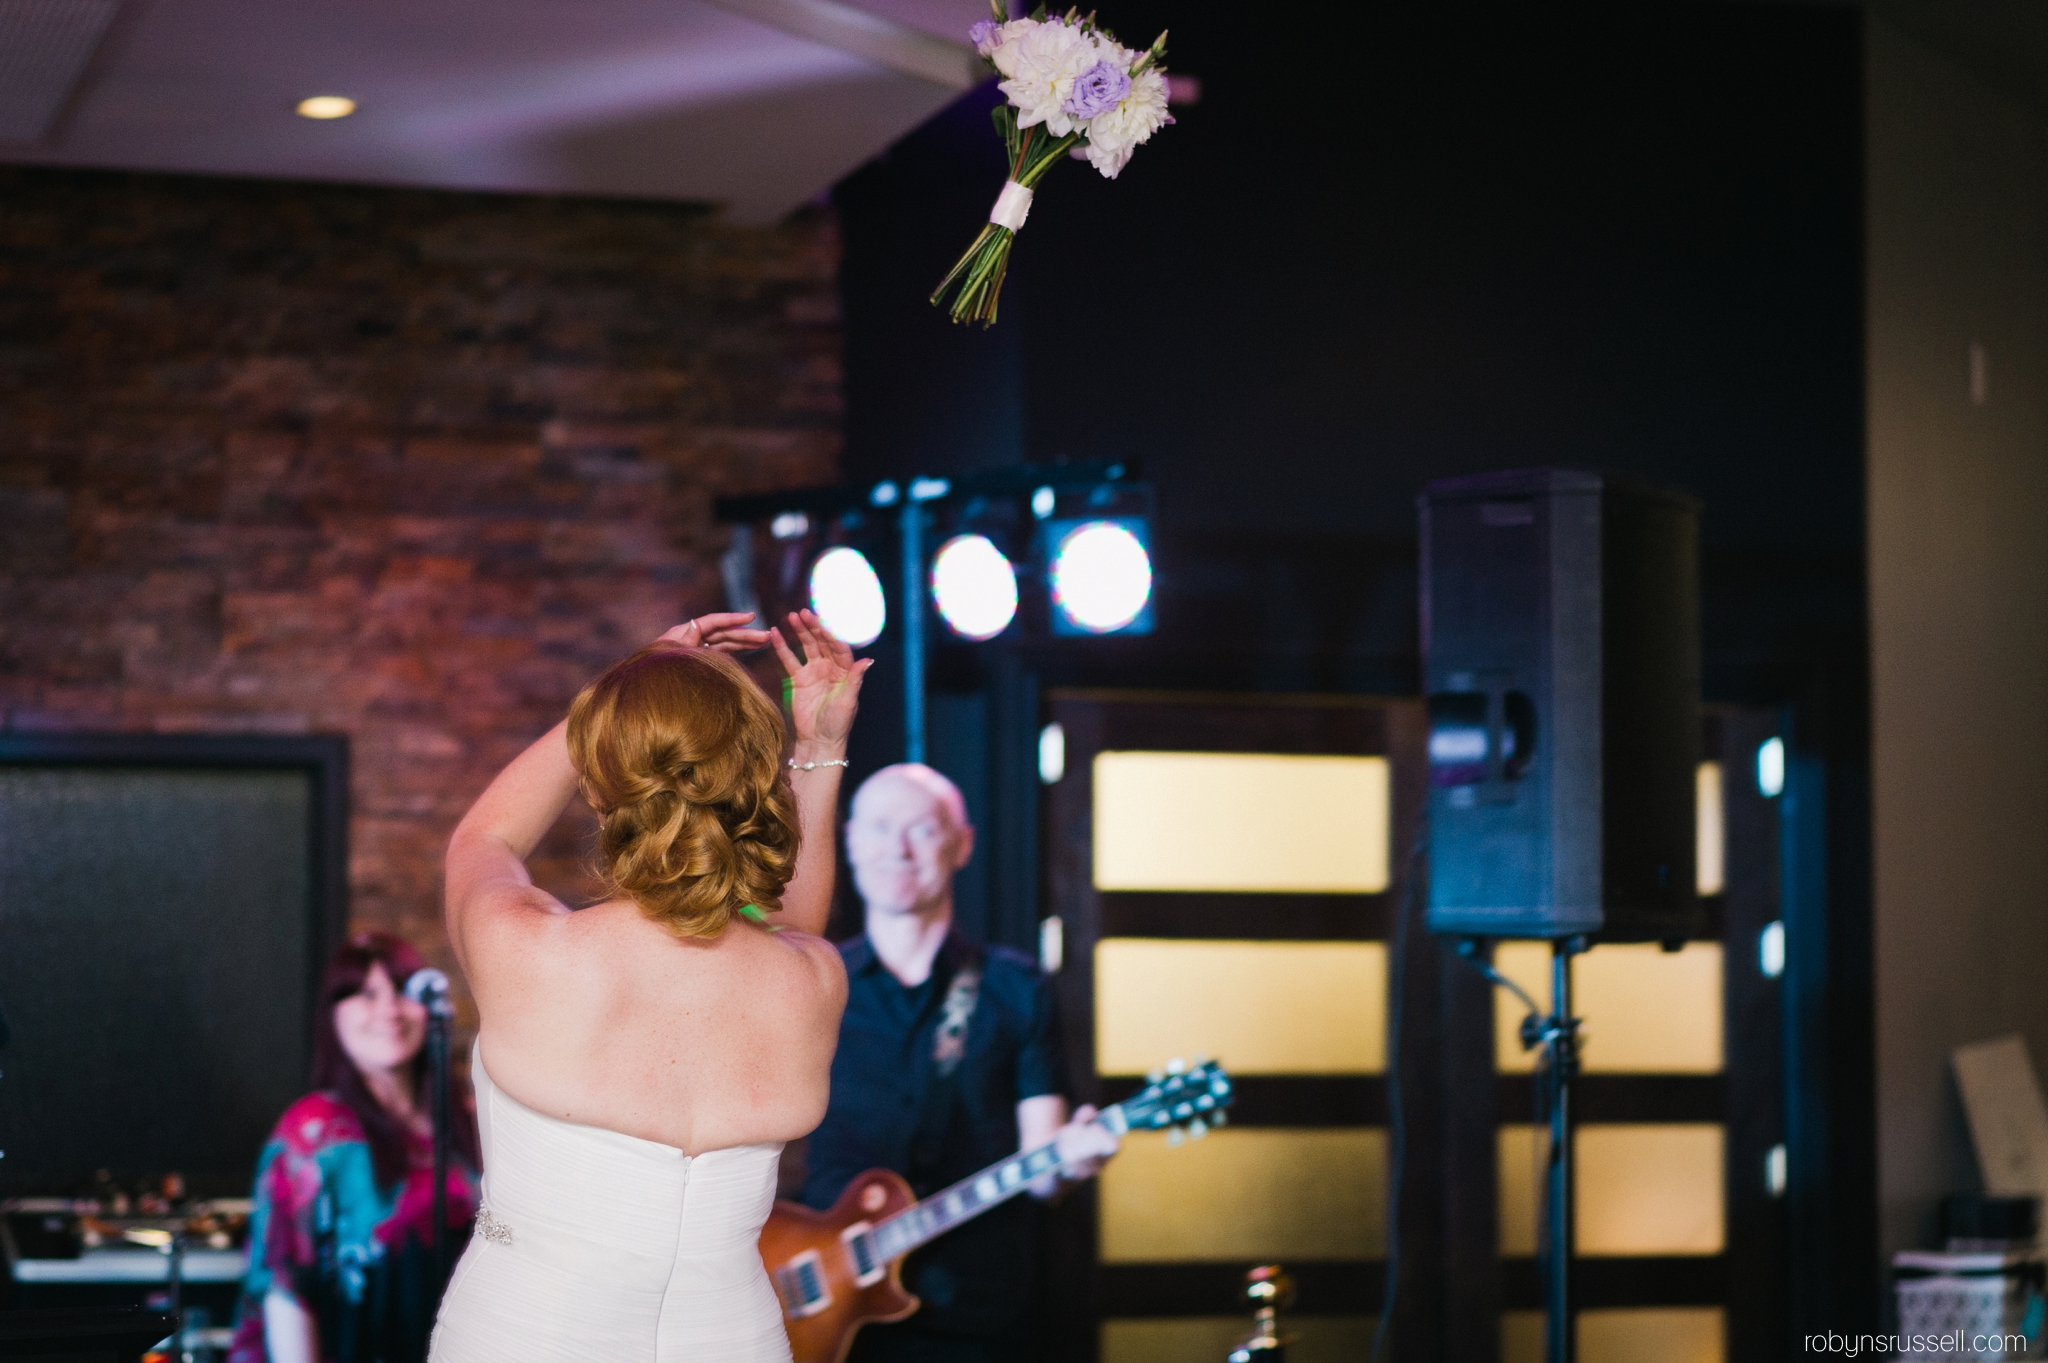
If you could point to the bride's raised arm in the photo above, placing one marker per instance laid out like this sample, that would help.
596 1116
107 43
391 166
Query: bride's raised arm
824 692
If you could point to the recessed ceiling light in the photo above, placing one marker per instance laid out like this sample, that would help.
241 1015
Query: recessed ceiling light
327 106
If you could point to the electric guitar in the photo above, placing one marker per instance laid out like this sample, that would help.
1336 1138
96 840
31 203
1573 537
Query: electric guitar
836 1271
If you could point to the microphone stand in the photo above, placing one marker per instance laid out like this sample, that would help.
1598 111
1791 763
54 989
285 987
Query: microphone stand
429 988
437 1064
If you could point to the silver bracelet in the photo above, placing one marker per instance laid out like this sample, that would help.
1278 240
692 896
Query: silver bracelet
795 765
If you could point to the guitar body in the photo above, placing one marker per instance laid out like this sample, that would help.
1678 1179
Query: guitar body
836 1271
806 1251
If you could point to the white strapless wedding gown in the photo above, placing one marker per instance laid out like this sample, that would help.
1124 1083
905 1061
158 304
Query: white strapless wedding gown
599 1247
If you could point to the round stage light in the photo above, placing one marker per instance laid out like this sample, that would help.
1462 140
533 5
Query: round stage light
974 587
1101 577
847 596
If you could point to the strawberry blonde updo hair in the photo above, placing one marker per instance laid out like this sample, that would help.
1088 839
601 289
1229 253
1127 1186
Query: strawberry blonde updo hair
680 754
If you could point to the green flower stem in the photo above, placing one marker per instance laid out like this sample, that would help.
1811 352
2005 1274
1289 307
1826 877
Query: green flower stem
981 270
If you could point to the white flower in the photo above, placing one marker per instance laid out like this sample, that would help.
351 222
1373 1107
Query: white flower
998 35
1113 136
1041 64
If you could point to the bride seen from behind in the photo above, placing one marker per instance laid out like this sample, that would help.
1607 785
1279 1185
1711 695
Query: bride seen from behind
668 1040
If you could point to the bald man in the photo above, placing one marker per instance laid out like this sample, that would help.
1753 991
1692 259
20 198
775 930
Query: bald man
948 1061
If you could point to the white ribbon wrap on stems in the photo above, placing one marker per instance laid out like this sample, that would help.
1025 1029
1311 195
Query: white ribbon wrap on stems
1013 205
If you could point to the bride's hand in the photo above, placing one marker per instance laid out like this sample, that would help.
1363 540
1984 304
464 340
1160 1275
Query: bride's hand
724 631
824 688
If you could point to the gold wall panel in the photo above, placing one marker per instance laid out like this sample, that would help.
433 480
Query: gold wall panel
1266 823
1521 1187
1246 1194
1656 1334
1710 852
1643 1188
1259 1007
1521 1337
1646 1010
1209 1339
1651 1189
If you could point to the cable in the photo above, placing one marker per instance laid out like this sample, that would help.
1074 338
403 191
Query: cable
1397 1126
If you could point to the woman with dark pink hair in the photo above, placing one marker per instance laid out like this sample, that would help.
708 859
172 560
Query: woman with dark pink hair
341 1243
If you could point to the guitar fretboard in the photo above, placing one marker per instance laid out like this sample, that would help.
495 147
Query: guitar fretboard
972 1196
965 1200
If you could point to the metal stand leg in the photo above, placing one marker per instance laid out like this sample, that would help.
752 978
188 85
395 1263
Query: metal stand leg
174 1274
910 524
1561 1066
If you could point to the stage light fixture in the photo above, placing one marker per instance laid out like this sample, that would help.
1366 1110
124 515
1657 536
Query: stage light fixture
847 596
1101 576
974 587
1043 501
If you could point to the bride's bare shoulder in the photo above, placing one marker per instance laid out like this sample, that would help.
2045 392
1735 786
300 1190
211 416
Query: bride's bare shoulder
818 958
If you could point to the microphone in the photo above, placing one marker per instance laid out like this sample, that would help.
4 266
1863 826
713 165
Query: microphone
428 987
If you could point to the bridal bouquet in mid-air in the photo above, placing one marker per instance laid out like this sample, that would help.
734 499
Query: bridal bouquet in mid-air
1070 87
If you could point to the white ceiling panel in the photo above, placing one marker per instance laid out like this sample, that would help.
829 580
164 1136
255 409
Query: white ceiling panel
754 104
44 48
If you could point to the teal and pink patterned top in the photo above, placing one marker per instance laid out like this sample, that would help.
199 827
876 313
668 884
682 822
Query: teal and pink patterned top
358 1256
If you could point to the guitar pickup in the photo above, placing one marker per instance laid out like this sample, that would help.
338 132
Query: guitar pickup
801 1285
868 1267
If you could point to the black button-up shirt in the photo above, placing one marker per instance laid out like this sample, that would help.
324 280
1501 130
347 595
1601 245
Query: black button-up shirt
977 1278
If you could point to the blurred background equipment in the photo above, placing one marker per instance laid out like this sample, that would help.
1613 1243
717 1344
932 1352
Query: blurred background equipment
140 1044
1079 532
1561 654
121 1334
1561 635
1270 1291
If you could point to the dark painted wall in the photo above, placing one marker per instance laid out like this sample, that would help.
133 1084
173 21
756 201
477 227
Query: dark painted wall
1432 242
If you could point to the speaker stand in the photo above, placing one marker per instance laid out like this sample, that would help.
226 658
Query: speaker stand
1559 1037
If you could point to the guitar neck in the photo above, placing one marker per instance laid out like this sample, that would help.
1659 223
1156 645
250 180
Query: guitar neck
975 1194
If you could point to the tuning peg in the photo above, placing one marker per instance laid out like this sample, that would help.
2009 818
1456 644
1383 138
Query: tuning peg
1201 1061
1175 1136
1154 1076
1176 1066
1197 1129
1219 1118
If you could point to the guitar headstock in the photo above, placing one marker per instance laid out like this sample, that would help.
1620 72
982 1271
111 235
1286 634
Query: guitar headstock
1182 1100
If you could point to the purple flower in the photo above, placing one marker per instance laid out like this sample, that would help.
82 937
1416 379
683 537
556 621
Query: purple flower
985 35
1098 90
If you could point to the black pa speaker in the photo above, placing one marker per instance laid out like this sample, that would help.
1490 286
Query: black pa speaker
1560 633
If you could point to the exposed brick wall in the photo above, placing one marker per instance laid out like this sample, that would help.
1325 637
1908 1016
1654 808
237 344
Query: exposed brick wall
405 466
